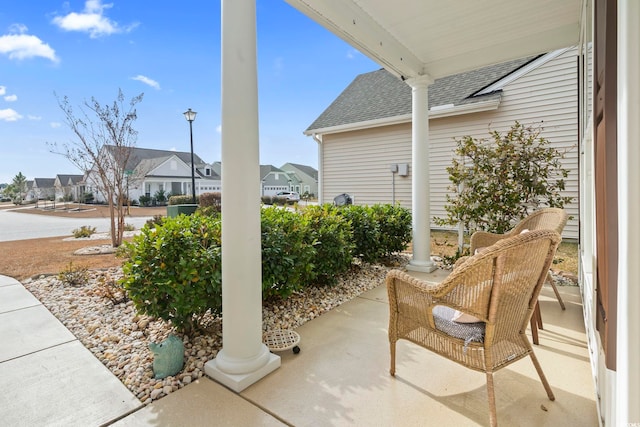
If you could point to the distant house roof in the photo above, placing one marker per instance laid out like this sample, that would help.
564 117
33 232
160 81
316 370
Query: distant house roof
312 172
44 182
64 179
266 169
138 155
379 94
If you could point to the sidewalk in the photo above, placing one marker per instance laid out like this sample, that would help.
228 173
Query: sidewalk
47 376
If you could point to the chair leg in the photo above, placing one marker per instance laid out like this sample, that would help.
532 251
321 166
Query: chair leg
535 321
493 419
392 369
543 379
555 290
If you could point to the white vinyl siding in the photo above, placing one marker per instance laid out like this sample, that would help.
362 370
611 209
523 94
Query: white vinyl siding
357 162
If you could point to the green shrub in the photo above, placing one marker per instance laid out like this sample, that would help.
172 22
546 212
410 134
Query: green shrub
156 220
181 199
498 182
366 232
73 275
287 258
211 200
129 227
394 225
378 231
332 238
84 231
174 270
279 200
144 200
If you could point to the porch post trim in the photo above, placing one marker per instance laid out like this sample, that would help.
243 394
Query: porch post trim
244 359
627 383
420 193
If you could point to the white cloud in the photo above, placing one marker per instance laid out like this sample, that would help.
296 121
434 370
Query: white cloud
11 98
9 115
3 90
23 46
146 80
18 28
55 125
92 20
352 53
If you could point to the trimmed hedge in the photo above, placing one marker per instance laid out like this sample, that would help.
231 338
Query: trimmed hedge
174 271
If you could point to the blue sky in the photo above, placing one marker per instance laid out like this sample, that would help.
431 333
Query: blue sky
170 51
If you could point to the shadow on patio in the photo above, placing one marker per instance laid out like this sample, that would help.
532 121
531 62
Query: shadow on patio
341 378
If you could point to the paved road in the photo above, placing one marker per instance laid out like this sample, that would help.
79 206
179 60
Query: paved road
22 226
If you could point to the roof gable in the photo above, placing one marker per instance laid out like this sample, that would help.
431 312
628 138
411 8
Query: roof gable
307 170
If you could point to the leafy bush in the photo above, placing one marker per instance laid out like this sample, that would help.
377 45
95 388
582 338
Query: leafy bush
73 275
332 238
378 230
156 220
366 232
174 270
181 199
211 200
84 231
287 256
498 182
160 197
144 200
129 227
394 225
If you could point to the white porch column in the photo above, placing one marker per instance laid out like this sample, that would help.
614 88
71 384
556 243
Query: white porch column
627 382
420 194
244 359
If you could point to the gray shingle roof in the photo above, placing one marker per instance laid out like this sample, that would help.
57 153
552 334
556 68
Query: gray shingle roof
137 155
379 94
312 172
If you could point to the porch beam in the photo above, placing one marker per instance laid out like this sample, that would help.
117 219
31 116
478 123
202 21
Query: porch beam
420 194
243 359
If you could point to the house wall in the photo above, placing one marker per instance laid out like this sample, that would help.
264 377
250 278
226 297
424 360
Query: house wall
357 162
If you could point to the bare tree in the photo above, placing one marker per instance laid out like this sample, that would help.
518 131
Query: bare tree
105 139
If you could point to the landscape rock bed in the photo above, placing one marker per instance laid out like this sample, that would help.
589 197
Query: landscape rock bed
119 337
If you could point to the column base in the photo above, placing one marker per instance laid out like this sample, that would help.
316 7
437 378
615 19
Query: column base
238 382
421 266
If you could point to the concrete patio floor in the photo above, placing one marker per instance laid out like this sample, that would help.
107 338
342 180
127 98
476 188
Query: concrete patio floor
340 378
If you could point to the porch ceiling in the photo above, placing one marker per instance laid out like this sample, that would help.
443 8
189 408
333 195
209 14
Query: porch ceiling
439 38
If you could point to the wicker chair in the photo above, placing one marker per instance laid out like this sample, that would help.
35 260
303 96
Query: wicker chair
499 286
545 219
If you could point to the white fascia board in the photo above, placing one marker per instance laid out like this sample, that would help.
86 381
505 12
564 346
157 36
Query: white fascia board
522 71
406 118
353 25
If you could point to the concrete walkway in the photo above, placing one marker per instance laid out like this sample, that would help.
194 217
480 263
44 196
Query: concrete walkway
340 378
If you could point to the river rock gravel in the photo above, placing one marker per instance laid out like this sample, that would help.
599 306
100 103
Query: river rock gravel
107 324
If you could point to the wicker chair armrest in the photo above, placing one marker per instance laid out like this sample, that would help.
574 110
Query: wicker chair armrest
484 239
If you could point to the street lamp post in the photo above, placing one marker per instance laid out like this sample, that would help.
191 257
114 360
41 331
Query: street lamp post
191 116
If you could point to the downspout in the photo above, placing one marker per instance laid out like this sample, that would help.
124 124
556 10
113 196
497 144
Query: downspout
318 139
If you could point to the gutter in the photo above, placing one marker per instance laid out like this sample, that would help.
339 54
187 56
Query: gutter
435 112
